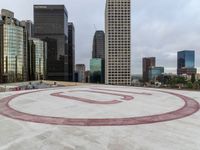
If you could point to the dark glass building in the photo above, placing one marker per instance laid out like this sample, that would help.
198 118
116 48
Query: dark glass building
147 64
99 45
71 51
154 72
37 59
76 76
186 62
97 63
51 25
96 70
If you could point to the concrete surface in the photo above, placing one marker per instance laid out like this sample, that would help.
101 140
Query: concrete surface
99 117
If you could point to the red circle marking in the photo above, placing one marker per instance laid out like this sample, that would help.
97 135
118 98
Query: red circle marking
191 106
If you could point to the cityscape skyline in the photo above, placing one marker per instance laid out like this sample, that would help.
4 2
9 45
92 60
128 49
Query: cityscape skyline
175 32
102 76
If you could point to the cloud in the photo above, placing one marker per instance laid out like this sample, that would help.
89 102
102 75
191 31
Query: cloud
159 28
162 28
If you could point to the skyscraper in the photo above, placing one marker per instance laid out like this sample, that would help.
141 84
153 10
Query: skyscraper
97 63
13 48
186 62
148 62
71 51
99 45
118 42
51 25
36 59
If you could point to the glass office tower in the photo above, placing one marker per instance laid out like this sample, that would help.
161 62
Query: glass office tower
99 45
51 25
13 49
154 72
97 75
96 70
37 59
13 52
186 62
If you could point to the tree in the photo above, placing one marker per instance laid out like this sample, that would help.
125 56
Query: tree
181 80
198 82
173 82
196 85
189 85
193 78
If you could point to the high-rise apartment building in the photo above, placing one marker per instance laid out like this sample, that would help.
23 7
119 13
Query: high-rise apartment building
186 62
13 48
51 25
148 62
118 42
99 45
71 51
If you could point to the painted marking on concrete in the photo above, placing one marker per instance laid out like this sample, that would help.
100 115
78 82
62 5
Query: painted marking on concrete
90 101
124 97
191 106
138 93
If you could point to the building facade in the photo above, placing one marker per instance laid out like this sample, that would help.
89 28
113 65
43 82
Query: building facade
71 51
97 75
154 72
96 70
29 28
99 45
186 62
118 42
87 76
51 25
37 58
148 62
197 76
76 76
80 73
13 48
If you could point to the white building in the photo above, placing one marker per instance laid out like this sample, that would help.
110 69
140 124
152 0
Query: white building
118 42
80 69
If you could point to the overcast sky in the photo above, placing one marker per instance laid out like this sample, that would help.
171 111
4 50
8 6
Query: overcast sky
160 28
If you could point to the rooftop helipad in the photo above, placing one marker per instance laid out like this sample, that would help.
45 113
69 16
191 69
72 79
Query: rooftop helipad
100 117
